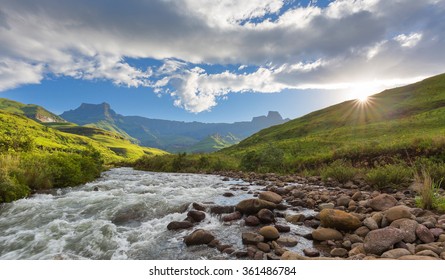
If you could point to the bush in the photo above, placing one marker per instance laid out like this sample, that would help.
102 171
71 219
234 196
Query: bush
390 175
429 197
435 169
339 170
11 188
269 160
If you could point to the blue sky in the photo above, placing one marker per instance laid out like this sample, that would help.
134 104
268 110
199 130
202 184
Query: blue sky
214 61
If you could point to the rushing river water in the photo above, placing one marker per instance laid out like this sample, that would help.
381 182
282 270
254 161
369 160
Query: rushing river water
122 215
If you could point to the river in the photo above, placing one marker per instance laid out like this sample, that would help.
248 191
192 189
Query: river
122 215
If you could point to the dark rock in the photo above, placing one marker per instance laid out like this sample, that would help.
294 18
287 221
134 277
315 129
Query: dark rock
198 237
424 234
251 238
96 189
232 217
259 256
322 234
228 251
282 228
312 223
220 209
269 233
381 240
382 202
343 201
266 216
198 206
179 225
362 231
214 243
252 221
196 216
228 194
408 228
241 254
339 220
271 197
253 205
311 252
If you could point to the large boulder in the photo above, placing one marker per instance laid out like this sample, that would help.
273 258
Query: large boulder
381 240
269 233
271 197
254 205
198 237
382 202
339 220
322 234
424 234
397 212
408 227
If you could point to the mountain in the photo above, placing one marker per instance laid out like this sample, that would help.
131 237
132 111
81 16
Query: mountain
403 122
31 111
172 136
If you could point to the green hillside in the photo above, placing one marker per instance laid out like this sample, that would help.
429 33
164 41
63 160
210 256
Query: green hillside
213 143
404 123
31 111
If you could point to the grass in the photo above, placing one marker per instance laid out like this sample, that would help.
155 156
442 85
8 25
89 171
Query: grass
428 193
389 176
340 171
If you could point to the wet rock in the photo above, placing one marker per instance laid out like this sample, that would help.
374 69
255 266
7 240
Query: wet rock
397 212
287 241
266 216
251 238
252 221
381 240
322 234
196 216
339 220
282 228
323 206
134 213
228 194
311 252
241 254
175 225
339 252
198 237
96 189
279 251
424 234
396 253
312 223
370 223
214 243
259 256
198 206
295 219
253 205
263 247
222 247
220 209
232 217
269 233
228 251
271 197
382 202
408 228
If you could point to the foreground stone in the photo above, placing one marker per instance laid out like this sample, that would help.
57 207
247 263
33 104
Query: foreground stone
323 234
381 240
397 212
339 220
179 225
424 234
408 227
251 238
199 237
253 206
196 216
269 233
396 253
382 202
271 197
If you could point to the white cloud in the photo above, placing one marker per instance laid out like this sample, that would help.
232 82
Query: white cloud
29 74
410 40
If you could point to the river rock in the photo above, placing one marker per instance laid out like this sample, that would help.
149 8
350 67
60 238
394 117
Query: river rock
271 197
431 246
198 206
196 216
295 219
417 258
381 240
222 209
362 231
382 202
251 221
357 196
370 223
323 206
427 253
263 247
343 201
339 252
311 252
408 228
266 216
339 220
396 253
251 238
253 205
269 233
424 234
282 228
232 217
357 250
287 241
175 225
436 232
198 237
322 234
397 212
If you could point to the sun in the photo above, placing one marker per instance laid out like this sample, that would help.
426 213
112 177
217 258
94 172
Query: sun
363 98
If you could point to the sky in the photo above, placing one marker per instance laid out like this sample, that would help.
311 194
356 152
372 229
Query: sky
214 61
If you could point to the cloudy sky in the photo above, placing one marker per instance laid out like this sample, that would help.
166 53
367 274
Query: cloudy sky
214 60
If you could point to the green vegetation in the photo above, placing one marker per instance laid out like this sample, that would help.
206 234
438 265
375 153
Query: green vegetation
429 197
339 170
31 111
389 175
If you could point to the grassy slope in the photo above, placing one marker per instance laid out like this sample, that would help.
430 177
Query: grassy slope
406 119
34 112
112 147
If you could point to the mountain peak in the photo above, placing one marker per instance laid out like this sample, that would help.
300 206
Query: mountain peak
90 113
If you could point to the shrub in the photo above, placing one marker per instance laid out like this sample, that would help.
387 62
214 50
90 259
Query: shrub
435 169
269 160
390 175
339 170
11 188
429 197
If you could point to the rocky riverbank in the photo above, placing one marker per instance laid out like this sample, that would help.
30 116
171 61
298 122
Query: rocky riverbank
351 221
